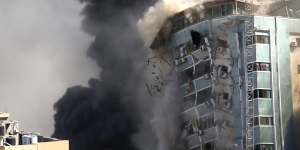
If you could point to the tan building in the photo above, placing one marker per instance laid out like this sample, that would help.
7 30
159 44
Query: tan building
11 138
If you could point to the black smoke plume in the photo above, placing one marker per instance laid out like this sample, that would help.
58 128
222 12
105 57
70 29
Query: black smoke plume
104 115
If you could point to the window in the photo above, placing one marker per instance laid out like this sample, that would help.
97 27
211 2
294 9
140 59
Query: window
186 75
299 69
258 66
262 93
202 69
209 146
266 120
261 39
208 12
189 101
203 96
263 121
227 9
264 147
216 11
223 71
206 122
191 126
240 8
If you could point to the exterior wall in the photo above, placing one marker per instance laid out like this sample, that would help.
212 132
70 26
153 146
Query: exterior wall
295 62
284 78
228 127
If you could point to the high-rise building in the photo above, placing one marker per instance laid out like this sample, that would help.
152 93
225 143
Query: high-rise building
11 138
239 73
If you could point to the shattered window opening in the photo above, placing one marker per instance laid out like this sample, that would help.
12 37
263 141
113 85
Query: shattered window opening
261 39
203 96
264 147
262 93
209 146
189 101
258 66
268 121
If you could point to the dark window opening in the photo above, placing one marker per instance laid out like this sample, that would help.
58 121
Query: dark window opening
241 8
299 69
264 147
250 95
197 39
266 120
261 93
202 69
227 9
189 101
223 71
208 12
258 66
209 146
206 122
186 76
216 11
298 41
261 39
263 121
225 96
256 121
203 96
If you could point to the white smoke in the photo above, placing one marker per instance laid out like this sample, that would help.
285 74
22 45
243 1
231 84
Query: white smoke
156 15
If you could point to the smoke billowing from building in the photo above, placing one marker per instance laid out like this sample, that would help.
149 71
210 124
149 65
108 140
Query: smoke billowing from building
112 110
156 15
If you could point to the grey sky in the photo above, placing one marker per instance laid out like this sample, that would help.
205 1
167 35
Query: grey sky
42 52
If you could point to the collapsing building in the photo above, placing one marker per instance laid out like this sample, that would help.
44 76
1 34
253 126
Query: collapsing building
11 138
238 71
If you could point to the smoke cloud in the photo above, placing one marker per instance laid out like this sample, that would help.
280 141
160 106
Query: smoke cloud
156 15
42 52
111 111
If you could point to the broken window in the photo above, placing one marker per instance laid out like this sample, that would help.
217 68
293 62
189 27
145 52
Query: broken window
240 8
203 96
208 12
266 121
262 93
261 39
258 66
202 69
263 121
209 146
227 9
189 101
216 11
206 122
264 147
225 96
186 76
197 39
223 71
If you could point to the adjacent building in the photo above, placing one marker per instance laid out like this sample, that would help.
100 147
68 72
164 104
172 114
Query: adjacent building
11 138
239 73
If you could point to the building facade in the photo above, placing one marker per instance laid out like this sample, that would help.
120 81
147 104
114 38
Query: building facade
239 74
11 138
